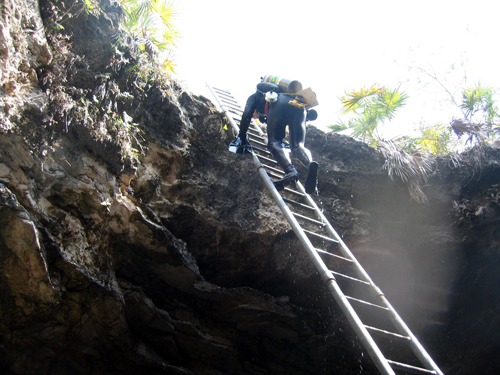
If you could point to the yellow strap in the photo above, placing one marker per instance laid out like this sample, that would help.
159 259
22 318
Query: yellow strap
297 104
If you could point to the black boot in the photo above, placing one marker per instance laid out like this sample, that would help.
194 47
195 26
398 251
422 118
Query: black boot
312 175
291 176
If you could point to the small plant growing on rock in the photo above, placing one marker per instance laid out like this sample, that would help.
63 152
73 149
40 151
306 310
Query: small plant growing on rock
149 29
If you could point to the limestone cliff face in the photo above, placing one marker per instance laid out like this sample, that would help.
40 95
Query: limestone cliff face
23 48
132 242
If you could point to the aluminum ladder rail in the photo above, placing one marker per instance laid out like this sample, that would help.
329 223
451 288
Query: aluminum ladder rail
365 301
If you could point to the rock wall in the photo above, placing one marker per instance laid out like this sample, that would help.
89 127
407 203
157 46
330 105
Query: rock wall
131 241
23 48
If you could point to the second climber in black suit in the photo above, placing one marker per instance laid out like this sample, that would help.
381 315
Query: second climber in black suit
280 114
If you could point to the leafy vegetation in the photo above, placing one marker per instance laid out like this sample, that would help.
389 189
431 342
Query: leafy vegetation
149 29
411 168
93 101
478 101
481 118
411 158
369 109
479 123
435 140
66 11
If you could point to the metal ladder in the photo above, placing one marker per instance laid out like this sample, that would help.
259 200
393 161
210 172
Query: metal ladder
376 323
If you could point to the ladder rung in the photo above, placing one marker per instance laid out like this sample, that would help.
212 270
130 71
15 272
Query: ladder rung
230 105
321 236
396 335
253 125
216 88
267 159
334 255
310 220
272 174
234 112
367 303
257 142
221 90
232 108
290 190
295 203
278 172
404 366
255 133
251 130
262 150
228 100
350 277
225 93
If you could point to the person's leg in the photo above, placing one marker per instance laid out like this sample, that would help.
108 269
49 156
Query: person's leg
250 107
241 144
274 145
297 140
276 125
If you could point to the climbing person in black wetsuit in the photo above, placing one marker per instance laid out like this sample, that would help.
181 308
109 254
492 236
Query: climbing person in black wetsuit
255 107
280 114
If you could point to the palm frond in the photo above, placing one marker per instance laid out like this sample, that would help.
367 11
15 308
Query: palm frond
169 66
149 24
166 11
170 37
352 100
338 127
371 107
480 100
389 101
412 169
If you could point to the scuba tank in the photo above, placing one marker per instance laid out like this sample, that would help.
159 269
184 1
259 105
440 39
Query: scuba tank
288 86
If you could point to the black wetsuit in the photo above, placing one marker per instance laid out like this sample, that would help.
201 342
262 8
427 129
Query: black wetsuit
255 102
280 115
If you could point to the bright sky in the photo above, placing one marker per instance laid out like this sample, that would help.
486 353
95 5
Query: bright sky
335 46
